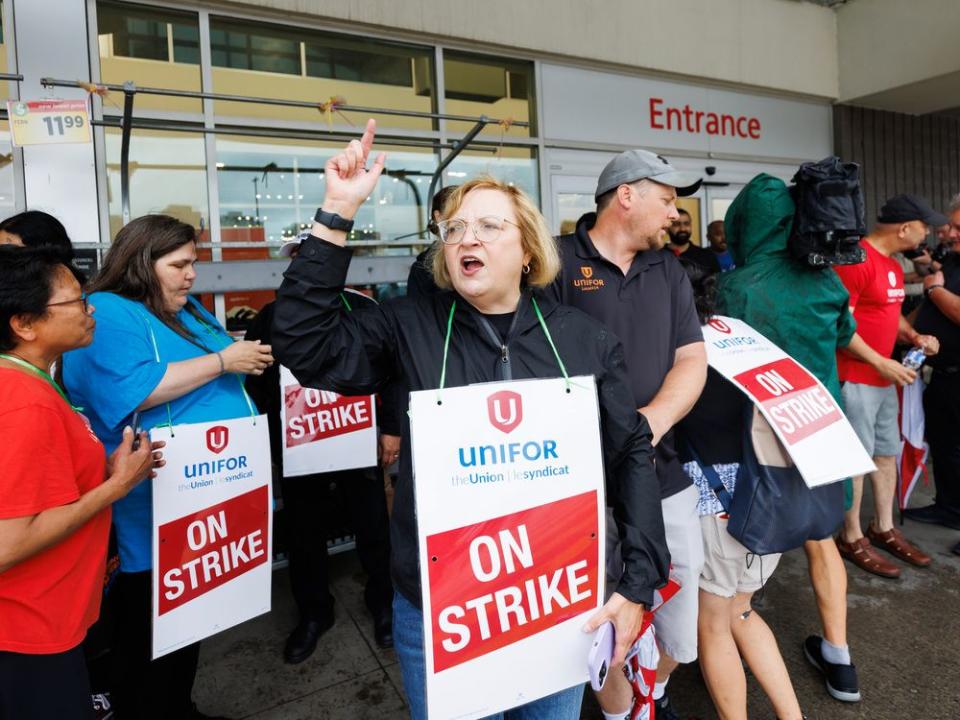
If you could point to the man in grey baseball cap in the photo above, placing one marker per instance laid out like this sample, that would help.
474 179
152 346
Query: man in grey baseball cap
614 270
633 165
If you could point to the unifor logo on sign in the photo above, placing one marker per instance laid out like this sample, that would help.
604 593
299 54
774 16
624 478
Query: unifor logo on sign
505 410
218 437
718 324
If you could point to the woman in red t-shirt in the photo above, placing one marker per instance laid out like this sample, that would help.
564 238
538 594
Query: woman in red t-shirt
56 489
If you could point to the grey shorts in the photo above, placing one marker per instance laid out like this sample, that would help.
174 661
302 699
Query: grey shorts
728 567
676 621
873 412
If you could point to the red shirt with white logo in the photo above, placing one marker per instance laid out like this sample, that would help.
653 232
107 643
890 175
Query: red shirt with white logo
49 457
876 295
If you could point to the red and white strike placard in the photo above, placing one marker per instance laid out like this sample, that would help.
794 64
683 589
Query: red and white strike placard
324 431
212 530
510 512
803 413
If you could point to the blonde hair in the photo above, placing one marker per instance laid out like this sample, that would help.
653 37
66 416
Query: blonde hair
534 235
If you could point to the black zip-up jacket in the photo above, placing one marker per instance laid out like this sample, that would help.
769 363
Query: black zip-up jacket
360 352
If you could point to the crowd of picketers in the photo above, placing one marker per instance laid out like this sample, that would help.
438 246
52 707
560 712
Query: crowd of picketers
623 296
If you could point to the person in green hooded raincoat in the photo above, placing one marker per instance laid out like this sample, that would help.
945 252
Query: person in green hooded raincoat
806 312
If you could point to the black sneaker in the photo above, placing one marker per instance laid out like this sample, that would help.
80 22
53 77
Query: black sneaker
934 515
664 710
842 683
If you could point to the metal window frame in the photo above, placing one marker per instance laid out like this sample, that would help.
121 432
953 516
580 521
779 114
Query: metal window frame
210 125
13 81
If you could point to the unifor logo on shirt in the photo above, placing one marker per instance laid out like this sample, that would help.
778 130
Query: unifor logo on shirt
587 282
505 410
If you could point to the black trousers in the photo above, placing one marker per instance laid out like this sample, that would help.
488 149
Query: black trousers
147 689
45 687
941 406
306 527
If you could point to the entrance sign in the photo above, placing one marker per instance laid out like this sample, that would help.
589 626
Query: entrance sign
48 122
212 530
508 479
672 115
807 420
324 431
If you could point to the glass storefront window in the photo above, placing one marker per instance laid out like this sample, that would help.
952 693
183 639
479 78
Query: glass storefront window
154 48
477 85
167 175
7 204
270 189
4 65
514 165
275 61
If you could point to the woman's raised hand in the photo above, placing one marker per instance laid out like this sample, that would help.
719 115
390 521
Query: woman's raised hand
348 181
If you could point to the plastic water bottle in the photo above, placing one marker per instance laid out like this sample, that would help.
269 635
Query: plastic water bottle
914 358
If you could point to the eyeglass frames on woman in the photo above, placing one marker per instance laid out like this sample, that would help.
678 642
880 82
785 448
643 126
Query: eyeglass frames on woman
486 229
82 299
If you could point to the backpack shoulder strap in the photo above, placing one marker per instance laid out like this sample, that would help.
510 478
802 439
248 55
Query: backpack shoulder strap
713 479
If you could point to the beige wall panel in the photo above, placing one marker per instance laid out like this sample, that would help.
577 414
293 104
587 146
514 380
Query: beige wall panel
778 44
885 44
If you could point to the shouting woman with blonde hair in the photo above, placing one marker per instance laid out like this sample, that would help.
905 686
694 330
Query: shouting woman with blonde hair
494 256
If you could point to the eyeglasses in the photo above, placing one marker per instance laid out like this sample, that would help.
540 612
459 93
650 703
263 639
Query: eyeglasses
485 229
82 299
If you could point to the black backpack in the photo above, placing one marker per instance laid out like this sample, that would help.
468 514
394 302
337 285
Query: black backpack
828 221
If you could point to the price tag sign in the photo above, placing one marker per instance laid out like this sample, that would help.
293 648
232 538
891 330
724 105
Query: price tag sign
47 122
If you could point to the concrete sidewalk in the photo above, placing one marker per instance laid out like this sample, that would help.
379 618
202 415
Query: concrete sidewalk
905 638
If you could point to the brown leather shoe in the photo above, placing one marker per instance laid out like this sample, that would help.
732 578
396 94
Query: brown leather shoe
862 554
897 545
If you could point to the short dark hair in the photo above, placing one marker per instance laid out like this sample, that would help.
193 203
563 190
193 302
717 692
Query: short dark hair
26 285
437 204
683 212
39 229
605 199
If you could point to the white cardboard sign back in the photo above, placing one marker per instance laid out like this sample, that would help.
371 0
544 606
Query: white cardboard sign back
510 513
324 431
809 422
212 530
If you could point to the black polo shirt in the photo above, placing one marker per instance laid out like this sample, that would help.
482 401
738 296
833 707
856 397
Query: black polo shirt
651 311
707 259
931 320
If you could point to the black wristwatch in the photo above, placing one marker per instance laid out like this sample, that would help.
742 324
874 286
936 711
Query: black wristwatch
333 221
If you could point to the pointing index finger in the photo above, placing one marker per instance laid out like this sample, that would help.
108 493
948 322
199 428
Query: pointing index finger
366 142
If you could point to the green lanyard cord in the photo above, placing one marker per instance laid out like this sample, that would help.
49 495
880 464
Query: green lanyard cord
43 375
446 348
543 324
346 303
556 354
156 355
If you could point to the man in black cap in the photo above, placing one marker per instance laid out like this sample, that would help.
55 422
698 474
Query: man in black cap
940 315
612 268
876 295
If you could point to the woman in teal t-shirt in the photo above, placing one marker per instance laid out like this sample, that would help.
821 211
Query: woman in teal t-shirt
156 351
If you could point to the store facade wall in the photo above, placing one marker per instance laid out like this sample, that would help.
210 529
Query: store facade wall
727 136
248 175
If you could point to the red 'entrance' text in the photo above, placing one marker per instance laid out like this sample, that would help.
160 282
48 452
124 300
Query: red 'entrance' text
688 119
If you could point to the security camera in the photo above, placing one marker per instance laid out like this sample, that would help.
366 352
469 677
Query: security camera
710 170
